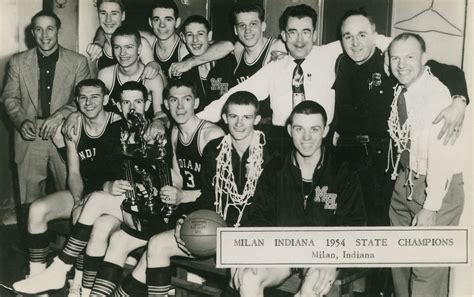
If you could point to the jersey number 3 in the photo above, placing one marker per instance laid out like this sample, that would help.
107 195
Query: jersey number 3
190 184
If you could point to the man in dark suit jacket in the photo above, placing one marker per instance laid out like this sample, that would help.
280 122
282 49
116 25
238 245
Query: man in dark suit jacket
38 95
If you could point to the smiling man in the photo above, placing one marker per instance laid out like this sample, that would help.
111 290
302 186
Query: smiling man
164 21
212 79
86 155
429 186
241 152
306 187
38 96
127 46
101 213
111 16
306 73
188 138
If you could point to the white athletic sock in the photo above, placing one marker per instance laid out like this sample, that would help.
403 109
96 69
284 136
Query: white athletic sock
36 267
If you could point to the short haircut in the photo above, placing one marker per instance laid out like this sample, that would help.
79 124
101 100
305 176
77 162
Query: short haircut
354 12
177 83
90 82
248 7
133 86
46 13
308 107
241 98
170 4
298 11
406 35
127 30
195 19
119 2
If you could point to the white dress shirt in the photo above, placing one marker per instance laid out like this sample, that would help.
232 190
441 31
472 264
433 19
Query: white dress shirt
275 80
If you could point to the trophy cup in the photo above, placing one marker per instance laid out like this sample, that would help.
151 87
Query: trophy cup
147 170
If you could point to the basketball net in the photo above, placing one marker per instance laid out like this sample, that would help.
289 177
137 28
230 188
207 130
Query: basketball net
224 180
400 136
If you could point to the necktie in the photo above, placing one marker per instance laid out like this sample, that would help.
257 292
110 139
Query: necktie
298 83
402 117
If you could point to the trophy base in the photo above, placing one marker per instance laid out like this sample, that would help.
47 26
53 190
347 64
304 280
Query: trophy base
141 222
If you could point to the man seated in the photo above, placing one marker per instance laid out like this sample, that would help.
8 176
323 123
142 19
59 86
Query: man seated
101 209
306 187
241 152
188 139
86 156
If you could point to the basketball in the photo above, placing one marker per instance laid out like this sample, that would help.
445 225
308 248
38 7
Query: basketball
199 232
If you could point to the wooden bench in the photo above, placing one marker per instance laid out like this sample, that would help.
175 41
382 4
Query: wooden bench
348 282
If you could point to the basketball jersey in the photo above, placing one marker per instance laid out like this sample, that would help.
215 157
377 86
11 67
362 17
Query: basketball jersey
244 70
189 158
218 81
105 60
114 94
174 56
94 153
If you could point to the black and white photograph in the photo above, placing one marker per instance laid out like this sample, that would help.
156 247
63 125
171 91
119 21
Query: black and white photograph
253 148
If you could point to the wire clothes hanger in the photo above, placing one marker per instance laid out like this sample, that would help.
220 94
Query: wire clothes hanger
429 20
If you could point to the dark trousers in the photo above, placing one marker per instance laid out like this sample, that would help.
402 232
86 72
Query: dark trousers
370 162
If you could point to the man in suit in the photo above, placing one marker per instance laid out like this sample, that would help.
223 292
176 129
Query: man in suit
38 95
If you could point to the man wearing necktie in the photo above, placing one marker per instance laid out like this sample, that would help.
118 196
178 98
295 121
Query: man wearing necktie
429 186
306 73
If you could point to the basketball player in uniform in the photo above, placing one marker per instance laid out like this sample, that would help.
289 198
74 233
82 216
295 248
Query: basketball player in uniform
212 79
85 154
166 45
111 15
127 46
189 137
101 212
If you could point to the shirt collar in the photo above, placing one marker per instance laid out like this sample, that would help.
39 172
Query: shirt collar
418 86
320 162
53 58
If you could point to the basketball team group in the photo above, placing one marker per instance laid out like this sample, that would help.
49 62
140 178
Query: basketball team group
364 131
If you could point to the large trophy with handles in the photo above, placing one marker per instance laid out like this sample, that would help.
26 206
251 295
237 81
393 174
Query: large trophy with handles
146 168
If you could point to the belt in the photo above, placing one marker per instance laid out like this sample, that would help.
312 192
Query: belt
362 140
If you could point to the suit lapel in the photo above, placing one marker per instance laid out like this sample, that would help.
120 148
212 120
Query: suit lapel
61 74
31 72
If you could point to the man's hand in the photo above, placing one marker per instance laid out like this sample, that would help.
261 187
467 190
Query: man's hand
277 55
424 217
117 187
71 125
94 51
317 281
171 195
50 125
237 274
178 68
155 130
152 69
28 130
453 116
177 236
76 210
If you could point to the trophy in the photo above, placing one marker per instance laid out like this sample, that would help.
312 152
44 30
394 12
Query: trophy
147 170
